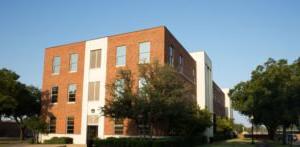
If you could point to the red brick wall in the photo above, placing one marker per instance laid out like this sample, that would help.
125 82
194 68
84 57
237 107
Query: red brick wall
218 101
131 40
62 109
189 64
160 39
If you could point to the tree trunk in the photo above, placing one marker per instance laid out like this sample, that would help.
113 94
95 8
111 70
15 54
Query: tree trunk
22 131
21 127
284 135
271 132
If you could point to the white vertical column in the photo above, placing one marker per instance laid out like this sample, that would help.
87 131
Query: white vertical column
96 74
204 84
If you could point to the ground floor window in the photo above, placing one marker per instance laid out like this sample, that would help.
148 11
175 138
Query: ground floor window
119 126
70 125
52 125
144 129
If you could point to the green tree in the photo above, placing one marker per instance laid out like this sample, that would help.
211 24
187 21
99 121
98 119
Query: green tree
8 81
163 101
17 100
238 128
267 96
224 125
36 125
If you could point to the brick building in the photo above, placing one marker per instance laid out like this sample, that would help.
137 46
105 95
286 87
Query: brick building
219 101
76 74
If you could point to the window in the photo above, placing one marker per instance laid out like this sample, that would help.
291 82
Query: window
144 129
180 64
144 52
52 124
94 88
73 62
54 94
56 65
95 58
72 92
119 86
142 82
171 60
194 75
121 56
70 125
118 126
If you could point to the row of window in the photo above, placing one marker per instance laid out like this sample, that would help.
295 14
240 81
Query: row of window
144 54
93 92
72 64
95 58
69 125
72 88
118 126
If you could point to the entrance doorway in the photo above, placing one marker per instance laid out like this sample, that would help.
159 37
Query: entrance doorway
92 133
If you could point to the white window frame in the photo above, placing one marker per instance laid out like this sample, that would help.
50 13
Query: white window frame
97 59
94 94
51 125
56 65
148 53
67 124
119 57
75 63
74 93
171 56
51 94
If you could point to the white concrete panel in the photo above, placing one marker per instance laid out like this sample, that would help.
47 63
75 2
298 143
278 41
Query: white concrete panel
98 74
204 83
228 103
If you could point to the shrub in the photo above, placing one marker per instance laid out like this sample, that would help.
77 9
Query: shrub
147 142
59 140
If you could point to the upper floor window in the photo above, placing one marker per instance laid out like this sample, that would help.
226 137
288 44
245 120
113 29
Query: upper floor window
142 83
52 124
95 58
120 83
121 56
70 125
93 91
180 63
54 94
56 65
73 62
194 75
144 56
72 92
171 55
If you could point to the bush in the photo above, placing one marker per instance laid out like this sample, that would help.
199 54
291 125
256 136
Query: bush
222 136
59 140
147 142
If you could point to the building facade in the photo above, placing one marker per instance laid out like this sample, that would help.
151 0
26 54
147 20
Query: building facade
228 107
76 75
219 101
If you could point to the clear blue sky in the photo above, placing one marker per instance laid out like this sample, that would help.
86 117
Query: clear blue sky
236 34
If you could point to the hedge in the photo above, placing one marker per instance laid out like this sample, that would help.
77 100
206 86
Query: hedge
59 140
147 142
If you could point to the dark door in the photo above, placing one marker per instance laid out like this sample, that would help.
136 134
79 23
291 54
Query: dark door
92 132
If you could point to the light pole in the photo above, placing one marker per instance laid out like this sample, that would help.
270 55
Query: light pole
252 129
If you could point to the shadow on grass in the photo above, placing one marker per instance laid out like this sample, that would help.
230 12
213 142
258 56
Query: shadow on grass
231 143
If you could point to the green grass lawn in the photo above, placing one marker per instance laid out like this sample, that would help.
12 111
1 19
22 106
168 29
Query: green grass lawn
241 143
